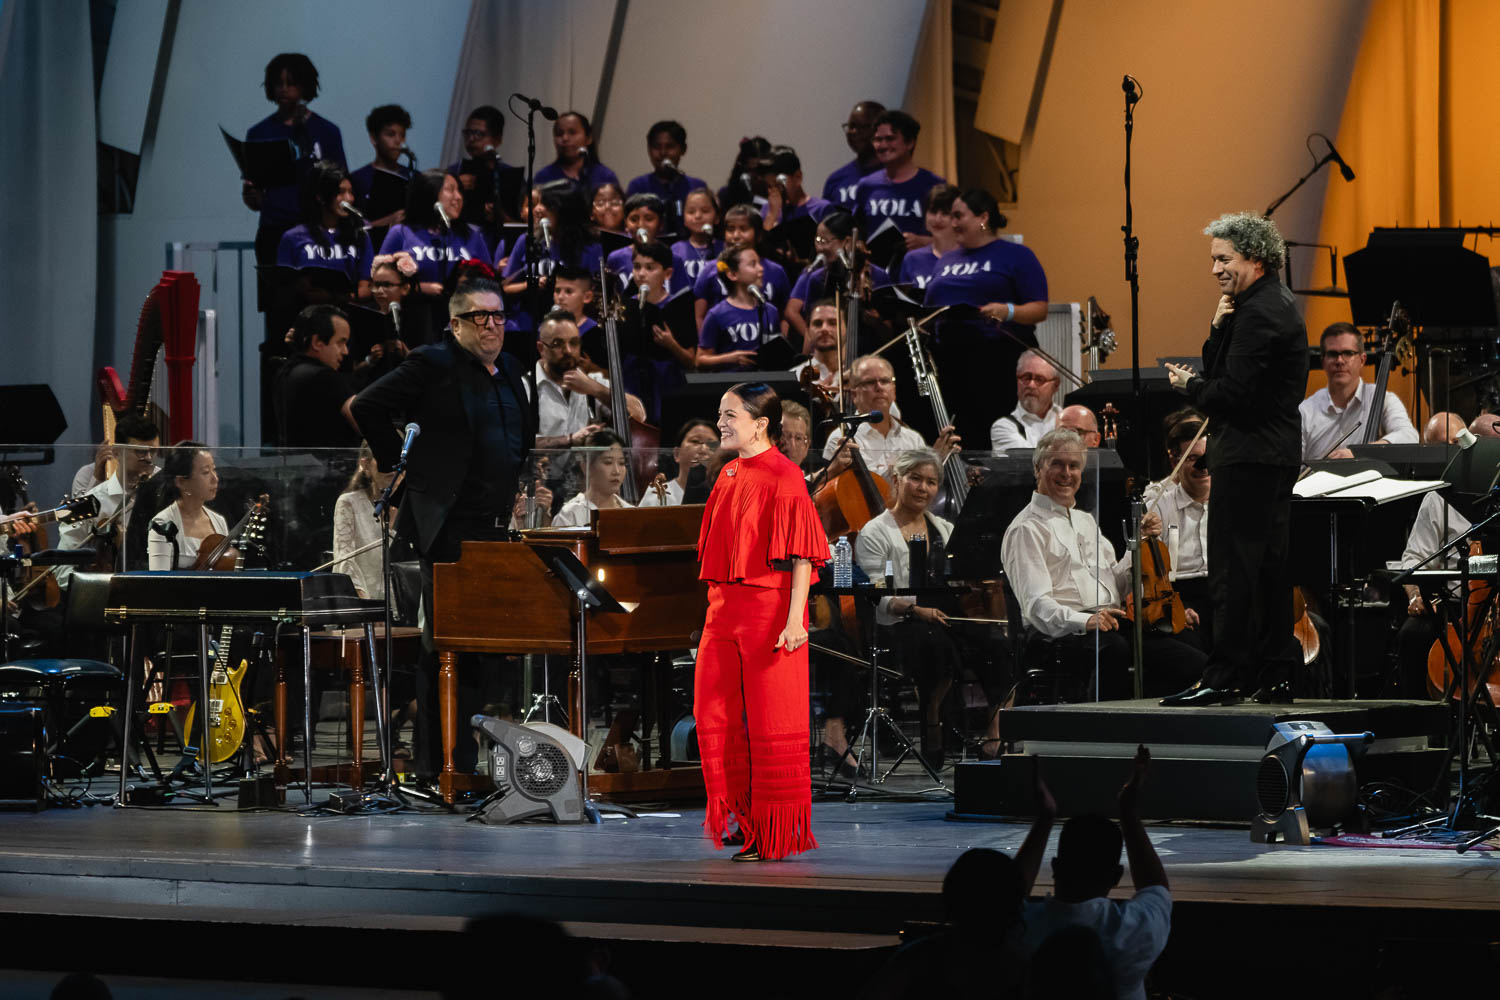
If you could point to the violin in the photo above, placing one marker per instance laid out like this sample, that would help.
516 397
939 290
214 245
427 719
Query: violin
218 552
1161 606
1440 675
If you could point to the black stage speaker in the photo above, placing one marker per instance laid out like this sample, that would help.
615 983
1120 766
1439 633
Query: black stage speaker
534 773
23 756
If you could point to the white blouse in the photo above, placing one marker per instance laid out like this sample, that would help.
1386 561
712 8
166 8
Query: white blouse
354 526
159 550
575 513
881 540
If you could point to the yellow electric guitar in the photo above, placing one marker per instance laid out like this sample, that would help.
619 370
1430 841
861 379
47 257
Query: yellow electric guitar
226 709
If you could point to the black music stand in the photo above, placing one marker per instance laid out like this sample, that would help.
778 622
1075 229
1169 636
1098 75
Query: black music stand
591 596
1436 280
31 420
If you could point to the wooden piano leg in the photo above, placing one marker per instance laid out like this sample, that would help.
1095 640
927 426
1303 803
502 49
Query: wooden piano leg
448 718
356 711
283 743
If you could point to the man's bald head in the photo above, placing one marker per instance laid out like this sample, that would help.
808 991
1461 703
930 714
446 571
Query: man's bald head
1442 428
1486 425
1082 420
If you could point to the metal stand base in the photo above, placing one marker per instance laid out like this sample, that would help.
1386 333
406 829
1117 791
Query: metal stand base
868 742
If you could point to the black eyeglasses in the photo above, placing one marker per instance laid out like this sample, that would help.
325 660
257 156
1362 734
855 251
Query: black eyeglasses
1342 355
483 317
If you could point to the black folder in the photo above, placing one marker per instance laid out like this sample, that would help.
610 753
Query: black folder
264 164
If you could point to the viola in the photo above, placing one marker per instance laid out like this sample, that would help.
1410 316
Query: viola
1161 606
217 552
1478 625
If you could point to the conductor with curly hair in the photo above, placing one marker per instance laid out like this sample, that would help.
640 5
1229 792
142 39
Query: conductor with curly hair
1254 376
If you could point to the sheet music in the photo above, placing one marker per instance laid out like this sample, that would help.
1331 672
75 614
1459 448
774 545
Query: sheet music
1366 485
1317 484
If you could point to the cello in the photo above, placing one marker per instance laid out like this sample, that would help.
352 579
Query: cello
1478 630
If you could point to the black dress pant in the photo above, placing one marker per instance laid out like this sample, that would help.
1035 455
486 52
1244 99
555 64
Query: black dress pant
1248 537
1168 663
1196 597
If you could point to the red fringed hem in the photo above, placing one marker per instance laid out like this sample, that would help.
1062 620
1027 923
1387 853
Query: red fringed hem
716 820
781 830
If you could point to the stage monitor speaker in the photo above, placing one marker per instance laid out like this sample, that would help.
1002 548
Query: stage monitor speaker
23 756
1305 782
535 772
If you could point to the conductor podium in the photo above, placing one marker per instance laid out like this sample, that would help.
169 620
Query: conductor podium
501 597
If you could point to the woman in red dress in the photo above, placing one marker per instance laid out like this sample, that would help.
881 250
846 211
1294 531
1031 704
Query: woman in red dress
759 543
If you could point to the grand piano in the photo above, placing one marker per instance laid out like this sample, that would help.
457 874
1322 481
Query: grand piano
501 598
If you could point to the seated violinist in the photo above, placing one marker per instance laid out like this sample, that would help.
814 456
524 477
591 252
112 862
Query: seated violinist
1182 503
1069 584
823 332
696 443
189 482
918 626
872 386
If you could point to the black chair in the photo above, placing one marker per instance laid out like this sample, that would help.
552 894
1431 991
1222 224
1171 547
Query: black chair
67 688
1037 659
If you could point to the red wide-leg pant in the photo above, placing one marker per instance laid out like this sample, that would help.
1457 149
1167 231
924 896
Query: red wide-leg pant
750 705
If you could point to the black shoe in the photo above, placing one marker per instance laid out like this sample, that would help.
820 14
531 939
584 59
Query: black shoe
1201 695
748 854
735 839
1279 693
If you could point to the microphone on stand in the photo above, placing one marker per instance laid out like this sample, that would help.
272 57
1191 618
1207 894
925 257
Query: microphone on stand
442 215
533 104
411 158
412 430
640 296
854 419
641 236
1129 86
707 229
396 318
1344 168
349 207
546 234
760 296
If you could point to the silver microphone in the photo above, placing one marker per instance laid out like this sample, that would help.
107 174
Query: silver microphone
346 206
706 229
781 180
411 158
760 296
640 296
669 167
546 234
642 236
745 180
437 206
844 259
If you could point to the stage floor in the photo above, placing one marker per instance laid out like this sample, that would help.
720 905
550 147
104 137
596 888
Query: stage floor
410 880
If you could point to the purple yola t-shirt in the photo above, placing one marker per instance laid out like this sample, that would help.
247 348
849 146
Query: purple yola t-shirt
727 327
879 198
713 289
301 248
436 252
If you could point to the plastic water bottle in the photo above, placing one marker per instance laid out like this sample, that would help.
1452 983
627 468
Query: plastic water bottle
843 563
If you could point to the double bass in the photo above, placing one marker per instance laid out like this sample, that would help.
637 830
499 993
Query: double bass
641 440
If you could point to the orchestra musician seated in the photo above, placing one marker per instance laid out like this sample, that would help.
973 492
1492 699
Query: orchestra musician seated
696 442
189 483
312 399
1069 584
1486 425
796 437
1081 421
136 444
918 625
873 388
1437 523
1181 500
1035 413
1333 417
823 332
569 391
604 472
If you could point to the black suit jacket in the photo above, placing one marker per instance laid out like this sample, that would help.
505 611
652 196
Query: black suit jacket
443 389
1254 377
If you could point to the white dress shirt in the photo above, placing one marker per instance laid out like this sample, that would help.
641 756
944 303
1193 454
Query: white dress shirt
79 534
159 550
1323 423
1184 525
674 496
559 411
1427 535
1132 931
575 513
1004 434
881 540
879 450
1060 567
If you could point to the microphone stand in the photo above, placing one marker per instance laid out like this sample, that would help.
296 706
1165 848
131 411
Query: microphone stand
389 790
533 261
1319 165
1132 276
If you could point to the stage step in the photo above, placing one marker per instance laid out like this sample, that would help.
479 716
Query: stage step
1203 760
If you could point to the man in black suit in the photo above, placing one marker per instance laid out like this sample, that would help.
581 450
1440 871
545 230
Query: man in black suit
1254 377
477 427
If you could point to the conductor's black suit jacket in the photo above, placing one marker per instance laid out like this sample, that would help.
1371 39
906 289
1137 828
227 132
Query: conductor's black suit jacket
444 389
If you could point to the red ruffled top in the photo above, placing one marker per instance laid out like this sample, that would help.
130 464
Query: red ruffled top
758 519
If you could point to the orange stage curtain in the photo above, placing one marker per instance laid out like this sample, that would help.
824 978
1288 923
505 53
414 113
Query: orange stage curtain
1421 129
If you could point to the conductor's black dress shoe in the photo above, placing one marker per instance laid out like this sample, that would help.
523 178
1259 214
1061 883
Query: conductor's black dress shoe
1201 695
